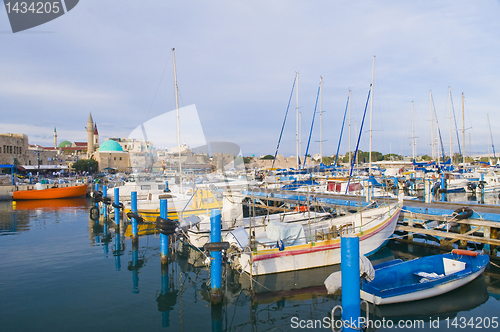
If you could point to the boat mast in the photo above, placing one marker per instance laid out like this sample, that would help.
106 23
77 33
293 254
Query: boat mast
178 122
432 127
463 130
413 133
491 137
371 118
320 119
451 142
297 124
350 161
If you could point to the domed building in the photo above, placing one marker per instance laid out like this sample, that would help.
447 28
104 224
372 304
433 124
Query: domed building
65 144
110 155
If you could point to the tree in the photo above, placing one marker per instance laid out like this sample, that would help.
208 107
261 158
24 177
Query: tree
267 157
85 165
327 160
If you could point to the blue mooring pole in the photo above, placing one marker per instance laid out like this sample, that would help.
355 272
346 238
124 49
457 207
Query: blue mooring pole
105 194
216 261
133 209
117 210
351 303
482 182
96 189
443 187
164 238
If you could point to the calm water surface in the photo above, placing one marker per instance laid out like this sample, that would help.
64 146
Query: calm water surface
60 271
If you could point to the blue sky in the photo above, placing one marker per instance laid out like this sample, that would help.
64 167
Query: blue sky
236 61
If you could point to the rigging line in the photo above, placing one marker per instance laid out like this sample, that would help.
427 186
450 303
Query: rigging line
456 127
439 131
357 144
158 87
341 131
283 126
310 132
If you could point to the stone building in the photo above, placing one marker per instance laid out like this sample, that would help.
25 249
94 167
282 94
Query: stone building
111 155
13 149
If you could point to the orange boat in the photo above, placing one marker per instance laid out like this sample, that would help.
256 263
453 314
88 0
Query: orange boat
51 193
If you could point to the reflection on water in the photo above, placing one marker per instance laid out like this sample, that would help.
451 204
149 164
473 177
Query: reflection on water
73 268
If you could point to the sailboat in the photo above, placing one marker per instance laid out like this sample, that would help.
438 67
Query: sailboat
283 247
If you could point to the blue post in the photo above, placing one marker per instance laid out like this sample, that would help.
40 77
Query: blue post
443 187
166 185
105 236
412 176
216 262
133 209
351 303
164 238
117 210
96 190
105 194
482 182
396 185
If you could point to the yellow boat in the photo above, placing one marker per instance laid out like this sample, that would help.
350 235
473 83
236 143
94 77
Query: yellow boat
202 202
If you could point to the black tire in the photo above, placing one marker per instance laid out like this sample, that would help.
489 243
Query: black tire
463 213
94 213
480 186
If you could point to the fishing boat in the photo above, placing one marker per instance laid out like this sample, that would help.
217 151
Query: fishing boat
397 281
282 247
51 193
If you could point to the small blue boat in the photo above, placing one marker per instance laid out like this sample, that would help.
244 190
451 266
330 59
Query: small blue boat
397 281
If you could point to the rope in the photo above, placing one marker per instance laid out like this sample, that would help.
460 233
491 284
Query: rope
494 264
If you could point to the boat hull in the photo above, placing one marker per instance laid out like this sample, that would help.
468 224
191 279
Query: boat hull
423 277
423 294
317 254
51 193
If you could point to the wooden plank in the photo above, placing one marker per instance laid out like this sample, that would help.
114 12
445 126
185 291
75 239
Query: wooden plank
476 222
448 235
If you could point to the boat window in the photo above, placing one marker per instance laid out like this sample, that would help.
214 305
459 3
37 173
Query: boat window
145 187
209 200
161 187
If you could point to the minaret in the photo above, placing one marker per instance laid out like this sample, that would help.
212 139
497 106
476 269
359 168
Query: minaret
90 136
96 137
55 138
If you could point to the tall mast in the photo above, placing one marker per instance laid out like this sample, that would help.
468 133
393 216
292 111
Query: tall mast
371 118
432 126
451 142
463 130
413 131
350 161
298 120
491 136
320 119
178 122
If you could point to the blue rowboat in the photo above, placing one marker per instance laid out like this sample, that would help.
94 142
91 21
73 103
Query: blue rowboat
397 281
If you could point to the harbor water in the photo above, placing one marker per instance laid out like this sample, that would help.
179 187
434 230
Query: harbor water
61 271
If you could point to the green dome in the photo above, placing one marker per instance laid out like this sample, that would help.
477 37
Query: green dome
65 144
110 146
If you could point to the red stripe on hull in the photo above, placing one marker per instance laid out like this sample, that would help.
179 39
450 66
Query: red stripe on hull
321 248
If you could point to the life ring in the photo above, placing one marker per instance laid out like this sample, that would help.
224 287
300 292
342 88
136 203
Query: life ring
94 213
480 185
301 208
462 213
464 252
